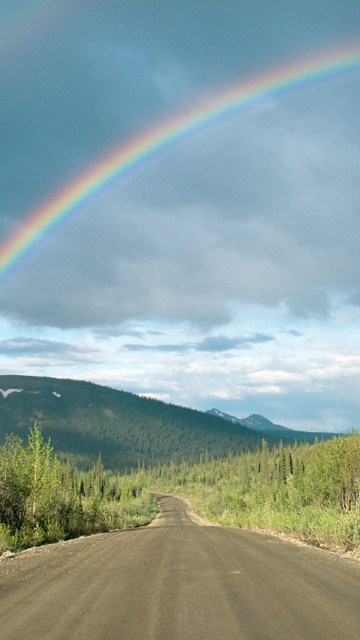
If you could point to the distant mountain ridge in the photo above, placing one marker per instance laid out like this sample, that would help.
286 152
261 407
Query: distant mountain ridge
258 423
254 421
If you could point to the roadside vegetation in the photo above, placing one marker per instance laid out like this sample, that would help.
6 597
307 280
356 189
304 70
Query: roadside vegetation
311 491
43 501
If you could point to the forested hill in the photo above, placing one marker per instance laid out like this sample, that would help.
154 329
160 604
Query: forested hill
83 419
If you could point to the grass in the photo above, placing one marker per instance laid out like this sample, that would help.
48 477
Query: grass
331 527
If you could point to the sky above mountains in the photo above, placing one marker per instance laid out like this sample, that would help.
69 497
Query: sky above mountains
223 272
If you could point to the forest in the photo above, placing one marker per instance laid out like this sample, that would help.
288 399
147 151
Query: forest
309 491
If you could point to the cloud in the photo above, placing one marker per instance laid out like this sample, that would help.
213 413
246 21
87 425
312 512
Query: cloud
211 344
292 332
21 348
224 343
166 348
30 345
193 234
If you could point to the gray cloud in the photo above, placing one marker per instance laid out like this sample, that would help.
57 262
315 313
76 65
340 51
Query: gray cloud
179 242
28 345
165 348
42 348
210 344
224 343
292 332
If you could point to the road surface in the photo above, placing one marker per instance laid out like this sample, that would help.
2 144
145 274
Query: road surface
178 580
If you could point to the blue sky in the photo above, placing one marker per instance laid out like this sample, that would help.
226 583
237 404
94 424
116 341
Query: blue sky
225 272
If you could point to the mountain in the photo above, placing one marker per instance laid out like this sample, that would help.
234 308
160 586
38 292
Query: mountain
83 419
255 421
259 423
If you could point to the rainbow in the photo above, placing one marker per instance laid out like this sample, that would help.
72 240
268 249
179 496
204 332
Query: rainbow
133 153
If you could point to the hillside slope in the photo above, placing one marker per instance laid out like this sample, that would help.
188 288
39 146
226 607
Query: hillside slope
84 419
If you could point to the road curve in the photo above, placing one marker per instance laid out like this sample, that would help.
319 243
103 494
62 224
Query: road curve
179 580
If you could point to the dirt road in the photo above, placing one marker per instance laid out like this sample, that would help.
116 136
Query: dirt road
179 580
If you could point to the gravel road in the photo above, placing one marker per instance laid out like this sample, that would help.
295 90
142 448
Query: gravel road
179 579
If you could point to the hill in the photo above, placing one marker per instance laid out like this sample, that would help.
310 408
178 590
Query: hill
258 423
83 419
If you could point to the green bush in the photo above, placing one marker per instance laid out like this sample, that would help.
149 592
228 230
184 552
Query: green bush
42 501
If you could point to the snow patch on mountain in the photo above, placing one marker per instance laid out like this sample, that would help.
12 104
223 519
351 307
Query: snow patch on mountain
6 393
226 416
